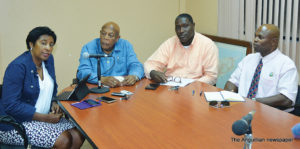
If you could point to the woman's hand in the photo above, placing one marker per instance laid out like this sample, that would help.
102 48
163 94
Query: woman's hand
55 109
49 118
53 118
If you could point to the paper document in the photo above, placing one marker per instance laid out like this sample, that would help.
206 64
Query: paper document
213 96
231 96
184 82
119 78
222 96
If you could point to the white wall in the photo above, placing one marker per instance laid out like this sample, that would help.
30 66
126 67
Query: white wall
145 23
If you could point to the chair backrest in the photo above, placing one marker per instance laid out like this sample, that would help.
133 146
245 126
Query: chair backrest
231 52
297 102
298 96
75 80
296 110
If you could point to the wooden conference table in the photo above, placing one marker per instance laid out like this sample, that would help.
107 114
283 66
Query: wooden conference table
170 119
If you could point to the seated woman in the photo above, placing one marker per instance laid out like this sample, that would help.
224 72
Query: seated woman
29 85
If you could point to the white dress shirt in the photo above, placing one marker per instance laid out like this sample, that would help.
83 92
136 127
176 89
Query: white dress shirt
46 92
278 75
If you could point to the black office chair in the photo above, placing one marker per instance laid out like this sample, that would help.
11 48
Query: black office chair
75 80
297 104
8 120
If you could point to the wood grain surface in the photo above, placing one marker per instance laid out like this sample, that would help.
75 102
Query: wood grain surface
170 119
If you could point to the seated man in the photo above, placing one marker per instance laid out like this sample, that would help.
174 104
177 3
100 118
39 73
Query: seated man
187 55
122 63
267 76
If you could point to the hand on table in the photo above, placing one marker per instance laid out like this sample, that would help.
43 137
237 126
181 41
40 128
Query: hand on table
110 81
129 80
158 76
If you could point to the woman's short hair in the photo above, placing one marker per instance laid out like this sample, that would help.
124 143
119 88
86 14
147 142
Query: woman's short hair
35 34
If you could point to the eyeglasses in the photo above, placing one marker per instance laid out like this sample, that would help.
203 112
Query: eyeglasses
174 79
109 35
218 104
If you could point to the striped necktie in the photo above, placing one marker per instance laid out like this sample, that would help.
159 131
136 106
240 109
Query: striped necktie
254 84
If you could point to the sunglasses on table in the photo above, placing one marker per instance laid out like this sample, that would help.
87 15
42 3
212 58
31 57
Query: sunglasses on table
219 104
174 79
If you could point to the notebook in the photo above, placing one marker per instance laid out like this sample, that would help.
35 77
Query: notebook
223 96
78 93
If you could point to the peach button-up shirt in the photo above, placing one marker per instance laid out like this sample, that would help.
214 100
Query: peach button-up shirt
197 61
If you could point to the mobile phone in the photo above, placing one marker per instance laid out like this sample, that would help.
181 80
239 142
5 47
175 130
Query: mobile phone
107 99
152 86
126 92
91 101
118 94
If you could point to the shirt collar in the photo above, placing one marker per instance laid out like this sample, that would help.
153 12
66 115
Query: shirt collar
191 45
194 40
270 56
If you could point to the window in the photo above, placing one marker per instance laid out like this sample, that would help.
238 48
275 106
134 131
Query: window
240 18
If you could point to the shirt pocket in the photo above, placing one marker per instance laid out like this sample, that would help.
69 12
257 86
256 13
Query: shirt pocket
268 80
195 67
121 65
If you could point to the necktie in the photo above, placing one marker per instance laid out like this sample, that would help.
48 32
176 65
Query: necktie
255 80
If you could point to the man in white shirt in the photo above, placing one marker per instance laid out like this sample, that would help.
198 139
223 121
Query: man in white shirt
266 76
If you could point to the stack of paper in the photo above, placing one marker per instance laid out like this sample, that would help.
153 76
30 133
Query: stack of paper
222 96
184 82
119 78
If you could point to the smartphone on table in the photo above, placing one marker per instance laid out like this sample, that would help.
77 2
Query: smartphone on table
91 102
152 86
118 94
107 99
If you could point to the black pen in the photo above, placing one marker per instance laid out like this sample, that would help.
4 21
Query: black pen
200 93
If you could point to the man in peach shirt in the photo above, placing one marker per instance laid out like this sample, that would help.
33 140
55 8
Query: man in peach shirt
187 55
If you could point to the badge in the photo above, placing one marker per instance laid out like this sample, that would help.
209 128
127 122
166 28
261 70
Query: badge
271 74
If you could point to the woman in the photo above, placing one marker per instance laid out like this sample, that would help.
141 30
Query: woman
29 85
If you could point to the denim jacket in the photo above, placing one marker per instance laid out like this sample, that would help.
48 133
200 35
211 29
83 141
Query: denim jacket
21 87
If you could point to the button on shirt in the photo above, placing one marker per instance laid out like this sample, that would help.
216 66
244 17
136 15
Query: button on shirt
122 63
278 75
198 61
